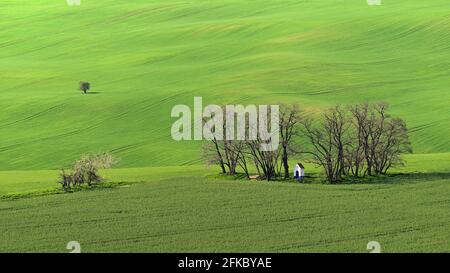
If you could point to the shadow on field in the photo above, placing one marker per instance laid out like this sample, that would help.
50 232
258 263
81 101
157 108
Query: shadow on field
93 93
314 178
399 178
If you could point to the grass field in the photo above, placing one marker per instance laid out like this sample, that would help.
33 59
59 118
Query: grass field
405 213
145 56
153 210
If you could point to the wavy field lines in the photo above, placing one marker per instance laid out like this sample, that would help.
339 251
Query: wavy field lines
143 58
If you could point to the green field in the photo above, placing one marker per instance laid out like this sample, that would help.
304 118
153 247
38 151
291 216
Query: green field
145 56
197 213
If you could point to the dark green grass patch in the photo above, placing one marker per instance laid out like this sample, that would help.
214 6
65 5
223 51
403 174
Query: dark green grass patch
205 214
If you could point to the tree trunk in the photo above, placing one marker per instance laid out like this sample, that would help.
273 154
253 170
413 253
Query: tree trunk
285 163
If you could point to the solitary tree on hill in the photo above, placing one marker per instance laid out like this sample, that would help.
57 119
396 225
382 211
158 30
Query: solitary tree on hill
85 86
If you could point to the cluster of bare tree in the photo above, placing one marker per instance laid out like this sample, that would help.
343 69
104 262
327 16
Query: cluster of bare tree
357 140
85 171
231 154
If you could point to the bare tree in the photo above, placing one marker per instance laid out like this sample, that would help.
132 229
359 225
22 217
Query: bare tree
227 153
212 154
329 140
232 152
242 158
266 162
393 142
377 122
380 139
357 150
213 150
354 157
337 122
289 119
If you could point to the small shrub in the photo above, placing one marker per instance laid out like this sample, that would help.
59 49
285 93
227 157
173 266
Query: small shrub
85 171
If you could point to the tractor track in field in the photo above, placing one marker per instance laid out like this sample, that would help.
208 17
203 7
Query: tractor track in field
137 107
362 236
35 115
42 47
424 126
28 84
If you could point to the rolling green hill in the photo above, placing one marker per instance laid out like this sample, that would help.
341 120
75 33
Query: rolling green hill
143 57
